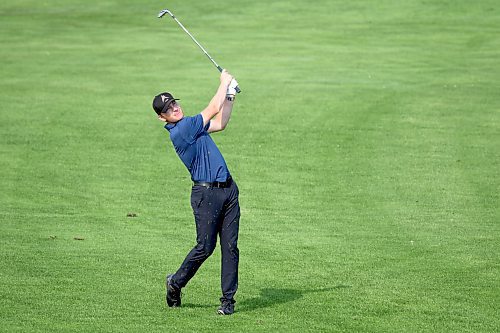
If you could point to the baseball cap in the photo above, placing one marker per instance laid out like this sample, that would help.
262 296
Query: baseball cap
162 101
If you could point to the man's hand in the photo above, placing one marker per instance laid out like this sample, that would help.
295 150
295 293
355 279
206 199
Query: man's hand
231 89
225 77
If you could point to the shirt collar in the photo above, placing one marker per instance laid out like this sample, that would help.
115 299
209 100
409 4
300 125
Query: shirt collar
169 126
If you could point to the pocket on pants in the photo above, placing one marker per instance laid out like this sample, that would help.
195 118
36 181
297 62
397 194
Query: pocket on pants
197 196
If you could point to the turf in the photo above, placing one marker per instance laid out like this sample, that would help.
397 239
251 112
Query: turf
366 145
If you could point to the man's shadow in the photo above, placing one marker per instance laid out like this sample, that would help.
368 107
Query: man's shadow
269 297
273 296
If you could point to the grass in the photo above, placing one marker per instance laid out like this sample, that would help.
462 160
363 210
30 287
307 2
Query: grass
365 144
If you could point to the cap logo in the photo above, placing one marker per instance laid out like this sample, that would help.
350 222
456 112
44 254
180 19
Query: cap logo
164 98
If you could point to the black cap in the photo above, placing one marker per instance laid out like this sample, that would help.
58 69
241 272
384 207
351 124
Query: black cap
162 101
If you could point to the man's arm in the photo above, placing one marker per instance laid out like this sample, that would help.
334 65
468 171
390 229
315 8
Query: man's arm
216 104
221 119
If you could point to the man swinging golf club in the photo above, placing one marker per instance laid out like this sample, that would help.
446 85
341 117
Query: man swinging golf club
214 195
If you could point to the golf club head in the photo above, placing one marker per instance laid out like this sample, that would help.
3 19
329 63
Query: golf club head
163 12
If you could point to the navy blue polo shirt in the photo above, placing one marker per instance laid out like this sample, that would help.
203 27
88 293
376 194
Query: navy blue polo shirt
197 150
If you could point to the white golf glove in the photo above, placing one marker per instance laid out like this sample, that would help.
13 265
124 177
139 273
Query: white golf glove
231 89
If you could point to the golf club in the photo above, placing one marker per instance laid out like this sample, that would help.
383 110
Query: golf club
166 11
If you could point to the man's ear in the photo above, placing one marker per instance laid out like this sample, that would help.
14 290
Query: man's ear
160 118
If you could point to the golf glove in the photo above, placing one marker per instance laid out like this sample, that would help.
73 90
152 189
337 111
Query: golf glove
231 89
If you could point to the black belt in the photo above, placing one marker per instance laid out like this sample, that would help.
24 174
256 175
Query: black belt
225 184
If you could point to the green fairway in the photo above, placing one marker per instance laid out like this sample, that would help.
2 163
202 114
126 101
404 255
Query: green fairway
365 143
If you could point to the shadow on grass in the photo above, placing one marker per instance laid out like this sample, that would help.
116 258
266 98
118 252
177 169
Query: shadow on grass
273 296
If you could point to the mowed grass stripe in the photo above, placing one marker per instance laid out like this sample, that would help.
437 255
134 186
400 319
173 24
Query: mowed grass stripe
365 145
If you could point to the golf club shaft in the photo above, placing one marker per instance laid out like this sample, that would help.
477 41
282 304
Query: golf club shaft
199 45
165 11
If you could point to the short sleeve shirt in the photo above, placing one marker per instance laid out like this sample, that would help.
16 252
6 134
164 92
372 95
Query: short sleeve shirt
197 150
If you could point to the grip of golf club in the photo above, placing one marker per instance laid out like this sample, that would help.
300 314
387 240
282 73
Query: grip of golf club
219 68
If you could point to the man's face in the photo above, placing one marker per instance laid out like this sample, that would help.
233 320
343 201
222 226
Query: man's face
174 113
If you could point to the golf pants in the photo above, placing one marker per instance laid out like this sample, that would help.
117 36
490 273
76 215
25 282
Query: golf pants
216 212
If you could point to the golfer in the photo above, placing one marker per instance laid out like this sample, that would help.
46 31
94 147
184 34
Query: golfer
214 195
